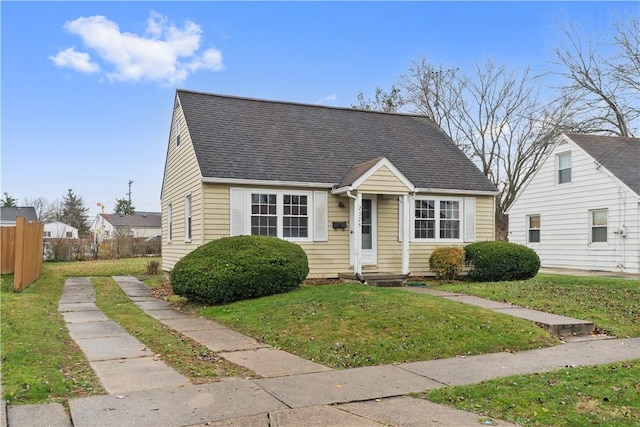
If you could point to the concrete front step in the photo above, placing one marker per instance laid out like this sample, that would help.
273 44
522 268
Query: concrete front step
380 279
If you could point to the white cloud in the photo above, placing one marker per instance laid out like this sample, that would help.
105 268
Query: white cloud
77 60
165 53
329 99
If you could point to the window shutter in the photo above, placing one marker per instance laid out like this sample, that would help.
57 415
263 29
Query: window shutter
469 219
238 212
320 216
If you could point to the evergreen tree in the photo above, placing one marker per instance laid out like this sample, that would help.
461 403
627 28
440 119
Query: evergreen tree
74 212
8 201
124 207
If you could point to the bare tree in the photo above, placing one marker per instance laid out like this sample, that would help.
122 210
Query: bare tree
389 102
45 210
603 89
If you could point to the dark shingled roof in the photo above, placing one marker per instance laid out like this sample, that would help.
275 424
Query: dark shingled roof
621 156
151 220
241 138
10 214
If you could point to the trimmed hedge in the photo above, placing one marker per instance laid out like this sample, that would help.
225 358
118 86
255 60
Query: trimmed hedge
240 267
447 262
498 261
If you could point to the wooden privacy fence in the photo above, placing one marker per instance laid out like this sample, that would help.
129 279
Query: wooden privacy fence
25 249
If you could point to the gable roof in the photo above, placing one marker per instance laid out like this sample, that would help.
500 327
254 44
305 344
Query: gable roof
249 139
148 219
10 214
621 156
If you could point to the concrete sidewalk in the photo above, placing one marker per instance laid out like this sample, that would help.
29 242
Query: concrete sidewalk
143 391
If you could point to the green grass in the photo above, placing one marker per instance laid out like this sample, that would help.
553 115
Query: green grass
613 305
345 326
604 395
186 356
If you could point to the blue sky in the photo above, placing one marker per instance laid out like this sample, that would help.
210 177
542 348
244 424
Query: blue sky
87 88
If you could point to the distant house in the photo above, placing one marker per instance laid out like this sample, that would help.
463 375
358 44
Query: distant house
8 215
359 191
59 230
141 224
581 209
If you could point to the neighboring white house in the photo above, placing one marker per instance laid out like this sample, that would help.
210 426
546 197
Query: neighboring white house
141 224
59 230
581 209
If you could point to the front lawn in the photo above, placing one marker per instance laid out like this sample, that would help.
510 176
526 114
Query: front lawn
346 326
613 305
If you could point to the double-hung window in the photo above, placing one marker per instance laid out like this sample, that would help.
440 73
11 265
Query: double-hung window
564 168
187 218
280 214
533 228
437 219
598 223
169 222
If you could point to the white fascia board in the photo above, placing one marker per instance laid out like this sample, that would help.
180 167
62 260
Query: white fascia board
240 181
394 170
454 191
341 190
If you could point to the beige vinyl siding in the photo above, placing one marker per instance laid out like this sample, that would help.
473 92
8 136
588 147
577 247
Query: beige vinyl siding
383 181
182 177
326 259
389 247
485 218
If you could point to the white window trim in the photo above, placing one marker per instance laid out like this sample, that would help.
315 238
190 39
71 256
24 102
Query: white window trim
590 231
437 218
528 227
169 222
557 171
280 212
188 213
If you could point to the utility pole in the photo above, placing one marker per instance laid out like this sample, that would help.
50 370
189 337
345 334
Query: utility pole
129 193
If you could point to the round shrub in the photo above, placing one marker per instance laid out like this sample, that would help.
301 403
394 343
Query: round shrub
240 267
447 262
497 261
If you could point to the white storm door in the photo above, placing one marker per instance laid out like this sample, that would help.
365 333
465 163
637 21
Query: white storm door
369 226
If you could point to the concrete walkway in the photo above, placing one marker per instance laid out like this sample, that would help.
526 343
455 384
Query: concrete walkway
292 391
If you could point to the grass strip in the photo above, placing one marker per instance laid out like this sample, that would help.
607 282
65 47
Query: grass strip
185 355
346 326
603 395
613 305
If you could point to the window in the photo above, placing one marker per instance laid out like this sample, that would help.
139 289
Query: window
169 222
177 132
264 217
564 168
284 215
534 228
187 218
295 221
47 234
437 219
69 234
598 222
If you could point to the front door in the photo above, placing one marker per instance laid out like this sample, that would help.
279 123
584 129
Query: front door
369 230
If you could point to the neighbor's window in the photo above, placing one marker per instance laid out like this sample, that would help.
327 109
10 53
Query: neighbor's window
187 218
564 168
437 219
69 234
295 221
534 228
47 234
177 132
169 222
598 225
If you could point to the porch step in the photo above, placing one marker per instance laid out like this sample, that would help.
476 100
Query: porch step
379 279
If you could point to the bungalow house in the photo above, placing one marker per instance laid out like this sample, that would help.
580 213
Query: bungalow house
8 215
360 191
140 224
581 209
59 230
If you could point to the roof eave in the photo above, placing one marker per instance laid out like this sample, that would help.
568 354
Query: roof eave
458 191
272 183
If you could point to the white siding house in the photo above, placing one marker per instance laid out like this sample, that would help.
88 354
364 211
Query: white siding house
581 209
59 230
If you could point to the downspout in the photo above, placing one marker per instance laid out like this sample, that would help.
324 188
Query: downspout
357 216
